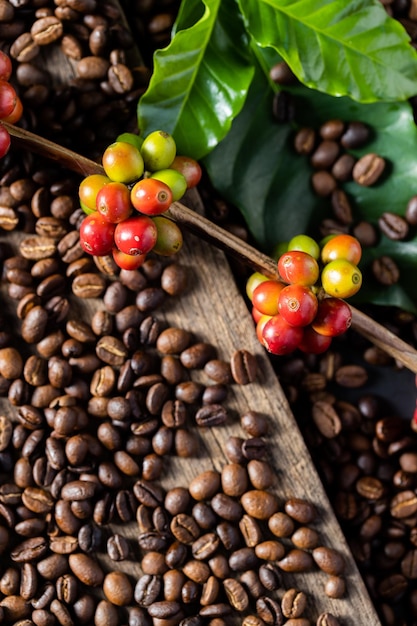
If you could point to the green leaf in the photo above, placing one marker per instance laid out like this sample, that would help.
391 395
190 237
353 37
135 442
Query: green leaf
343 48
200 81
256 168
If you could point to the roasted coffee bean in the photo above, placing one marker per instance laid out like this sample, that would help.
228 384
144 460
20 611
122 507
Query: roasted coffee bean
385 270
356 135
325 154
305 140
86 569
342 171
243 559
368 169
296 560
205 546
393 226
236 594
211 415
147 590
269 610
335 587
244 367
117 588
351 376
329 560
323 183
293 603
219 371
259 504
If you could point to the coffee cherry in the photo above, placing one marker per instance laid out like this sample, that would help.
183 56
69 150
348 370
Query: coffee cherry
175 181
127 261
4 141
151 196
96 235
341 279
135 140
89 188
265 296
113 202
122 162
298 267
342 247
5 66
279 337
135 235
297 305
158 150
304 243
169 238
253 281
189 168
333 318
314 343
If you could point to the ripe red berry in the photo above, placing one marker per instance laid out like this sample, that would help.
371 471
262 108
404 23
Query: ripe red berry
265 296
279 337
96 235
297 305
298 267
135 235
313 343
333 318
151 196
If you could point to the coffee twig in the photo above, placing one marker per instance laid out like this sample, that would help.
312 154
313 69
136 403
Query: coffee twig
377 334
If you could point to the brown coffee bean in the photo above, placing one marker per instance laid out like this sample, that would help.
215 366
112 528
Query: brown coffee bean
293 603
326 419
329 560
31 549
270 550
296 560
244 367
323 183
86 569
236 594
205 546
259 504
205 485
46 30
305 538
251 531
385 270
368 169
325 154
111 350
351 376
173 341
342 171
88 285
234 479
269 611
356 135
370 488
301 510
211 415
403 504
281 524
117 588
393 226
305 140
219 371
335 587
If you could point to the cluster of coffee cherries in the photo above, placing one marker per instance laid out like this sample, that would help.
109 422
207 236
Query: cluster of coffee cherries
304 307
124 206
10 104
